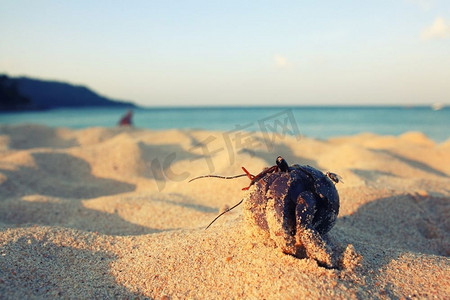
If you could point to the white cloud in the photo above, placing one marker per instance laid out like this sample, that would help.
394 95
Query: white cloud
280 61
438 30
425 5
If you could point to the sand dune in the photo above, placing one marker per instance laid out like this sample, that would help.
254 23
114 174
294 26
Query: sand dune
104 213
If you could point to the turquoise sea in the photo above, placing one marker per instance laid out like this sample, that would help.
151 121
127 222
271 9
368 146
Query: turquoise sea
319 122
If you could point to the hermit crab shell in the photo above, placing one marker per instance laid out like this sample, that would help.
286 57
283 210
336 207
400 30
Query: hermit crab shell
293 209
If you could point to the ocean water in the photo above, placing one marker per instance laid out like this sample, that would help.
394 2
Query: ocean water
319 122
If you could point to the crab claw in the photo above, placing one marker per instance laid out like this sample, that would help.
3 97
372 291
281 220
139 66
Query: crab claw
250 176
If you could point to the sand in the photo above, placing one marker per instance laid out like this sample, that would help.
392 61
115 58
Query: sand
109 213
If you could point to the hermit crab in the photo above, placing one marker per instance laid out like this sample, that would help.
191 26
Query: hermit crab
293 207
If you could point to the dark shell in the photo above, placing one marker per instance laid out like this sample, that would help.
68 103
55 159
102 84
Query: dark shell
294 209
325 194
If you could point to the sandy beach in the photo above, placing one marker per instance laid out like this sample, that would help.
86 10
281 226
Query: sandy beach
109 213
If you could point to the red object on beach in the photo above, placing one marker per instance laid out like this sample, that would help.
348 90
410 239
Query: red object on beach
126 120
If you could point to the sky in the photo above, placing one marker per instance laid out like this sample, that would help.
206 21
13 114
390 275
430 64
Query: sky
172 53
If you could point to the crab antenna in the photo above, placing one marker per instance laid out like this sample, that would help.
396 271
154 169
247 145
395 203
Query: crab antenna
227 210
218 176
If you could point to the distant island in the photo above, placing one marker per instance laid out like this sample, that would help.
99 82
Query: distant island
23 93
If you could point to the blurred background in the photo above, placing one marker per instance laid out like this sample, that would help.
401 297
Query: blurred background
381 65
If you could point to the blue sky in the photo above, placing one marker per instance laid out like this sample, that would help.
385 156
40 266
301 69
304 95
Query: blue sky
235 52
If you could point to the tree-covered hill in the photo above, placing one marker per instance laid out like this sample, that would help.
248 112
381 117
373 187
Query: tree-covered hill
26 93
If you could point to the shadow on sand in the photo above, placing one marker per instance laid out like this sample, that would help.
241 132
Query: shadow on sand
42 269
60 175
56 196
385 229
24 137
412 163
